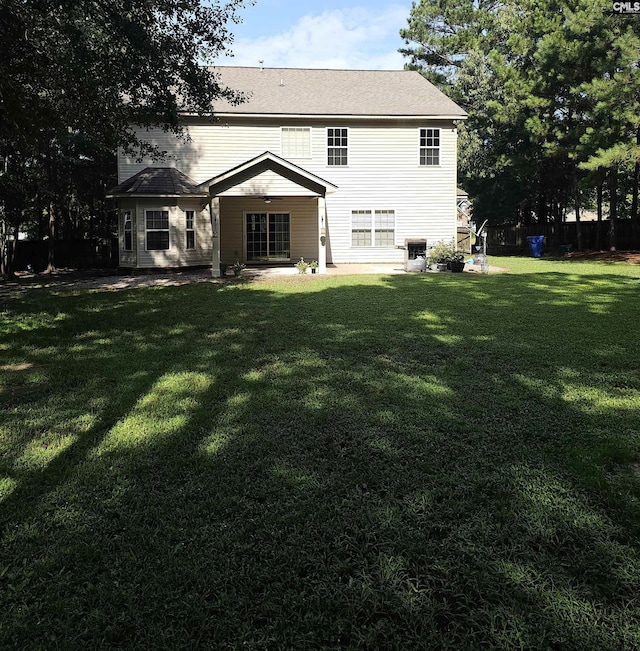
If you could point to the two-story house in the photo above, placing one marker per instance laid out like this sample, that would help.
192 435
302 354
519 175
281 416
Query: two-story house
330 165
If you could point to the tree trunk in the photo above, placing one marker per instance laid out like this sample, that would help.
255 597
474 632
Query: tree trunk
5 270
52 236
577 204
635 224
542 207
40 207
7 247
14 249
599 222
613 207
526 215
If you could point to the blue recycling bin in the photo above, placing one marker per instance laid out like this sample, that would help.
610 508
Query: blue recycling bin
535 245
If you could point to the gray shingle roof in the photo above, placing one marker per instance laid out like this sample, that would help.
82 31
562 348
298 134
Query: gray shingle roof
334 92
157 181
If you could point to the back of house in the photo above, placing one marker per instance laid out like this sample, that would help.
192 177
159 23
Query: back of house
337 166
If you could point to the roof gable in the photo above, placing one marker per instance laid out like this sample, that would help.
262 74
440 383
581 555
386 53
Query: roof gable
306 92
262 163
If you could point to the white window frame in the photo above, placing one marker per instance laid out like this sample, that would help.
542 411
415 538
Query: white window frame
362 228
303 153
429 150
189 215
127 220
378 228
148 230
340 147
373 228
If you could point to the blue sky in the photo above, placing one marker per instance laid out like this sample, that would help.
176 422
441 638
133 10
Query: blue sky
349 34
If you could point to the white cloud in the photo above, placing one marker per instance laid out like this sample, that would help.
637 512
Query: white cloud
347 38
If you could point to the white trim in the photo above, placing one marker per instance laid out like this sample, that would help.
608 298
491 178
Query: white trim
326 146
139 195
214 214
372 212
157 230
329 116
123 213
309 129
322 233
420 147
188 230
278 160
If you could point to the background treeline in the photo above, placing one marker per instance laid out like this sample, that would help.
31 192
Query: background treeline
74 76
552 89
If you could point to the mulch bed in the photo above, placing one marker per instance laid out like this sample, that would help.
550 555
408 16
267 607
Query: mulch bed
631 257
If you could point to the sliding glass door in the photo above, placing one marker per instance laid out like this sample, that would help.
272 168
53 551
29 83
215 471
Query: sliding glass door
268 237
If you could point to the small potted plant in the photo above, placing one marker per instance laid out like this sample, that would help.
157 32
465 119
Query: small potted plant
441 254
301 266
237 267
313 265
456 262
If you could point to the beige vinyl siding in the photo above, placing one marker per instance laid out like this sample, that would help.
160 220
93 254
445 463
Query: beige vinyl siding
383 173
303 222
232 227
213 148
177 255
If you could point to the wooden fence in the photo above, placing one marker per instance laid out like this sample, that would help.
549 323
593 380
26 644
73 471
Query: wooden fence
77 254
510 240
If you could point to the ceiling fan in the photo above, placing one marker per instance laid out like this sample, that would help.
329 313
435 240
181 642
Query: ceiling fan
268 199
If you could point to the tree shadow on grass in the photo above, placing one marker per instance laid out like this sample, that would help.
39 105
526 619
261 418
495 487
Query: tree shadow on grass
390 463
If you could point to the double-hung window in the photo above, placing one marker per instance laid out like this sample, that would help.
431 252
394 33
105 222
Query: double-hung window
429 146
157 227
337 146
384 227
360 228
373 228
295 142
127 231
190 233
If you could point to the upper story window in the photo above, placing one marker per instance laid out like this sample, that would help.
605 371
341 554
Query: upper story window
429 146
127 231
337 144
190 232
296 142
157 227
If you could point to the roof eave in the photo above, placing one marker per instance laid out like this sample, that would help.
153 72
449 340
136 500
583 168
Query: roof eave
333 116
149 195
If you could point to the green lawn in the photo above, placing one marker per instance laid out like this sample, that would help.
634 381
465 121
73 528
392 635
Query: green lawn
441 461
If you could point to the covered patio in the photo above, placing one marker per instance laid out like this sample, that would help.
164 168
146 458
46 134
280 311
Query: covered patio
268 211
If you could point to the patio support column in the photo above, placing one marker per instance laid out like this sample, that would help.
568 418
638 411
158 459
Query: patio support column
214 209
322 235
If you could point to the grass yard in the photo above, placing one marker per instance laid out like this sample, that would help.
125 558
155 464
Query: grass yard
401 462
